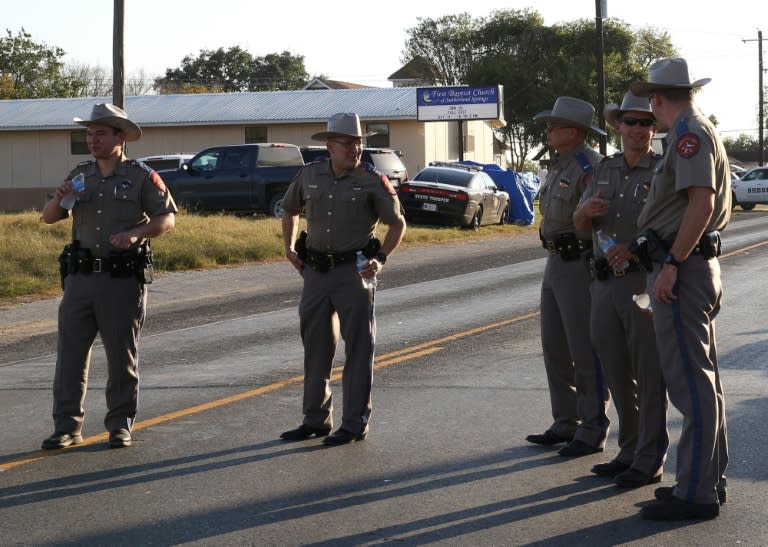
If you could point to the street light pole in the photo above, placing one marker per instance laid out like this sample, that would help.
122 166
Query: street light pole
117 54
599 14
760 100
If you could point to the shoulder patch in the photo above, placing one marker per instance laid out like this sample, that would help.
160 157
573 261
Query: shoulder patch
688 145
157 180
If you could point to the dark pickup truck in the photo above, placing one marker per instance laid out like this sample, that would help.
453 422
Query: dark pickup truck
240 178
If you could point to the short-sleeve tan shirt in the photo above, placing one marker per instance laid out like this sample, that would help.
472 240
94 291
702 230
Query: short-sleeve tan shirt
342 214
561 192
130 196
626 188
695 157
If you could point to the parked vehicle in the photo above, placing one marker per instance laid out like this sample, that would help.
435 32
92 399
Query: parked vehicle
454 194
242 178
751 189
385 160
166 162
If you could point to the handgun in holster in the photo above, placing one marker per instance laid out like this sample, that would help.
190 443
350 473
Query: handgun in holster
68 260
599 269
372 248
300 246
648 247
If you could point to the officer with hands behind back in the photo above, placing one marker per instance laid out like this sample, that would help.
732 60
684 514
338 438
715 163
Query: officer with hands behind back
577 393
689 203
104 274
344 200
622 333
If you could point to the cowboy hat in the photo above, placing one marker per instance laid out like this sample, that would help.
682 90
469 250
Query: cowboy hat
671 73
570 110
342 125
631 103
113 116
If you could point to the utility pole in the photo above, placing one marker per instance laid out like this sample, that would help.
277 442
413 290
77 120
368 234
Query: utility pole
761 100
117 54
601 6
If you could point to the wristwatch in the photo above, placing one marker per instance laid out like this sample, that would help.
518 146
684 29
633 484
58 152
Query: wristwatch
381 257
671 260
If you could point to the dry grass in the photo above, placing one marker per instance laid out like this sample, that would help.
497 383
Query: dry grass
30 248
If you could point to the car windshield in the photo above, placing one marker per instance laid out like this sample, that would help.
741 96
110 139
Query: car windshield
453 177
759 174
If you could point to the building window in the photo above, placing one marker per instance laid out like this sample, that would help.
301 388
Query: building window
381 138
78 144
255 134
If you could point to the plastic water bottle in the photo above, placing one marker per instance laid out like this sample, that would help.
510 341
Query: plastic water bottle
605 242
78 185
643 302
362 262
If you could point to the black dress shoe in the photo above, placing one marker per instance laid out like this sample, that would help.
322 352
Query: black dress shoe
664 493
677 509
119 438
610 469
632 478
576 449
342 436
304 432
548 438
61 440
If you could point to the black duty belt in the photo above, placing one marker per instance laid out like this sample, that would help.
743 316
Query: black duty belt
602 271
113 264
324 262
567 245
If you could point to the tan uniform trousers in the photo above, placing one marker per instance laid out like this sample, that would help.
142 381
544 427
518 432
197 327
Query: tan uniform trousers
114 308
577 389
335 303
685 336
624 338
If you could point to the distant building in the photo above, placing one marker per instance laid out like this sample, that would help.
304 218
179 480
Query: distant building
40 144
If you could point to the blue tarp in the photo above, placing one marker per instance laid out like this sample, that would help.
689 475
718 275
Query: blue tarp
521 187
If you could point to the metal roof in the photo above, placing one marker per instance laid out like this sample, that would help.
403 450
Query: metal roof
217 108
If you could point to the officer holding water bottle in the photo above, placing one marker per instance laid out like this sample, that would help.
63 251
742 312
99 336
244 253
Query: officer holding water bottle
339 258
116 205
621 332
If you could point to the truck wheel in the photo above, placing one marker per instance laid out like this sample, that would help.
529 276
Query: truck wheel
276 205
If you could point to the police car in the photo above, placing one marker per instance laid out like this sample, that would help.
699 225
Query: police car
454 194
751 189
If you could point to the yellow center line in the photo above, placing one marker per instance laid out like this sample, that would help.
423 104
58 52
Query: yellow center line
384 360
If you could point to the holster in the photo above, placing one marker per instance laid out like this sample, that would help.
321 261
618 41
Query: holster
710 245
300 246
648 247
599 268
569 247
372 248
68 260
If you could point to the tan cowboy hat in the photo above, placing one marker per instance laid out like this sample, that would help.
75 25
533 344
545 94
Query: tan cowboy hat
631 103
342 125
671 73
113 116
570 110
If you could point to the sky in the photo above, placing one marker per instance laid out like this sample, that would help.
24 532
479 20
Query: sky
363 41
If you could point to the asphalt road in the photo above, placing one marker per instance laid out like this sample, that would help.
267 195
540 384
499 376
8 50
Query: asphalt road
459 384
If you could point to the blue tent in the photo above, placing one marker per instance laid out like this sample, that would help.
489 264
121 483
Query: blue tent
521 187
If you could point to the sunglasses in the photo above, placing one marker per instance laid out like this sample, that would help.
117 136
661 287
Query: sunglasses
645 122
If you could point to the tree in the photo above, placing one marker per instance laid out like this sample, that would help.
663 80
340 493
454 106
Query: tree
742 143
29 70
234 70
448 43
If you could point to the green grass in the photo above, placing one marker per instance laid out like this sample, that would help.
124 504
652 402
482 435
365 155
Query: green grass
30 248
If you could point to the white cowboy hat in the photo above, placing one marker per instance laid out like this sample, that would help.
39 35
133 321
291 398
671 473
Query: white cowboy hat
671 73
342 125
113 116
631 103
570 110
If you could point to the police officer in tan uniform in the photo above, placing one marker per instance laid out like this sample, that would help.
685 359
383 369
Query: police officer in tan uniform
344 200
689 203
621 333
577 392
105 269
